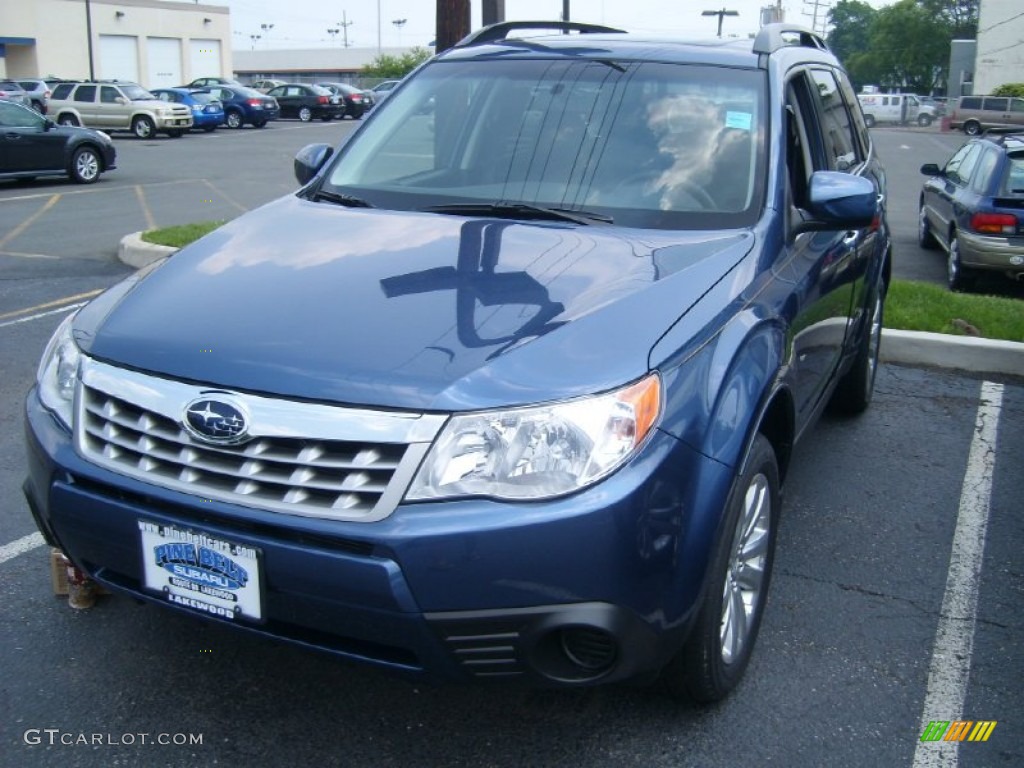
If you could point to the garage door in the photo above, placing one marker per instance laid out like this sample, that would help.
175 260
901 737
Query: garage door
204 58
119 58
164 62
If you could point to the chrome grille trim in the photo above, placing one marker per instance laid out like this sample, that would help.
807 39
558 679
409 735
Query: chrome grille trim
304 459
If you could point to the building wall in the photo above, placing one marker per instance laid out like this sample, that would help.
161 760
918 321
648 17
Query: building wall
52 38
1000 57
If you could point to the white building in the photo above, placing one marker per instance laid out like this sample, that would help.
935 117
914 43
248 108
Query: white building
152 42
1000 56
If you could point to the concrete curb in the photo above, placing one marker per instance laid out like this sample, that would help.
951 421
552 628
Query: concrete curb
136 252
961 353
935 350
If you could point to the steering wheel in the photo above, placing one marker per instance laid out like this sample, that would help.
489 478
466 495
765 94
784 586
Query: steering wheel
696 193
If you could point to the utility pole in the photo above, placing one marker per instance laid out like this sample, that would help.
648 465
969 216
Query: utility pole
720 14
565 10
493 11
344 24
816 4
453 23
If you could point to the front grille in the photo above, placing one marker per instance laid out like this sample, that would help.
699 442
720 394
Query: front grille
307 475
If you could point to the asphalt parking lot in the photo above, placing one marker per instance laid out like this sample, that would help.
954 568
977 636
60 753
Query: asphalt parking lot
897 599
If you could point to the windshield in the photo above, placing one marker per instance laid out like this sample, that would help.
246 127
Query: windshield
136 92
644 144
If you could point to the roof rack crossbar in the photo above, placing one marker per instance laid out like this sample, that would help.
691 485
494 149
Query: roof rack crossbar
497 32
772 37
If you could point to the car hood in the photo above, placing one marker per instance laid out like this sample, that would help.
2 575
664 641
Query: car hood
407 310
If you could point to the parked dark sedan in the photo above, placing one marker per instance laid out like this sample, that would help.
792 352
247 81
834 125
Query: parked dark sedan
973 208
207 111
307 102
244 105
357 103
32 145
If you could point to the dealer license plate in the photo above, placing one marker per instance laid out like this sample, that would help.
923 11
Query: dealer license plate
197 571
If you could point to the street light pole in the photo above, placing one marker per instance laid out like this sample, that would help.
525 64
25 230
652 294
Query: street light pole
720 14
88 34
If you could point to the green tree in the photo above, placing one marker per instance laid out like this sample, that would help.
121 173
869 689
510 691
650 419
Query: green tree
850 21
396 67
910 46
960 15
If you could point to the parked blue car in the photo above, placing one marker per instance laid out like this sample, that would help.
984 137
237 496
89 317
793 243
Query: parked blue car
510 387
207 111
244 106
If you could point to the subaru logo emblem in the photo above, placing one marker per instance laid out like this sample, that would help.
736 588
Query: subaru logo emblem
216 420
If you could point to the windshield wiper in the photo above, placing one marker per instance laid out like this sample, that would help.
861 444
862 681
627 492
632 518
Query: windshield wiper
521 211
349 201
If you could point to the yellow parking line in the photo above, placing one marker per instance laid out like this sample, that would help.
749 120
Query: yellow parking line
54 303
150 221
29 221
220 192
93 190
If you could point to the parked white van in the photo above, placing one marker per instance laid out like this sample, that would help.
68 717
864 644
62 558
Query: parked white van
900 108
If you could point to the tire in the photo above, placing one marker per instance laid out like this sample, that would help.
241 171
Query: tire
924 120
853 393
711 663
869 121
305 114
143 127
67 120
958 278
233 119
925 237
86 165
972 127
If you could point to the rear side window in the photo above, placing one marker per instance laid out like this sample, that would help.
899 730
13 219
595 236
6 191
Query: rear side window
997 104
85 93
1017 106
983 176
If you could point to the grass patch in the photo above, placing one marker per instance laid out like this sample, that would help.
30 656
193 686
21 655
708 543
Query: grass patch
914 306
182 235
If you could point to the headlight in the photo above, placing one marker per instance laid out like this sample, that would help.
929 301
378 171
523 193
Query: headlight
538 452
58 373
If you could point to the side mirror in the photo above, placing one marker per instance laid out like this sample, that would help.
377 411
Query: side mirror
121 100
48 124
839 201
310 159
931 169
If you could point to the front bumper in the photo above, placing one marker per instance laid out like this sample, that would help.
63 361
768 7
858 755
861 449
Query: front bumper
595 587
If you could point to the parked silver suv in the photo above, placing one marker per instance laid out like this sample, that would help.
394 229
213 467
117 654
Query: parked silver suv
118 106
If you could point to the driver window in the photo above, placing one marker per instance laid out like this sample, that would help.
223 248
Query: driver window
108 95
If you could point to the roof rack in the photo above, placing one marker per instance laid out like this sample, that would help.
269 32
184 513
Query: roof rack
497 32
772 37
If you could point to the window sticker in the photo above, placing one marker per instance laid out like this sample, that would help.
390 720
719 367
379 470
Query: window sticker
741 120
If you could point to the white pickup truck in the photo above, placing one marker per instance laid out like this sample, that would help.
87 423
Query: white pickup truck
900 108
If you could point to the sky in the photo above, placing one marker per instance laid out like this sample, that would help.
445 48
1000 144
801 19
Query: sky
304 23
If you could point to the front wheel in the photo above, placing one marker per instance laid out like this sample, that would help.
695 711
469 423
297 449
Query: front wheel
305 114
958 277
924 120
925 238
143 127
85 165
718 650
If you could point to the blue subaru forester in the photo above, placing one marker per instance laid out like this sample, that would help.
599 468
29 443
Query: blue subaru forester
510 387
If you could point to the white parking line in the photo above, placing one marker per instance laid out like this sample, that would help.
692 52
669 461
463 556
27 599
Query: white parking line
954 637
21 546
43 314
